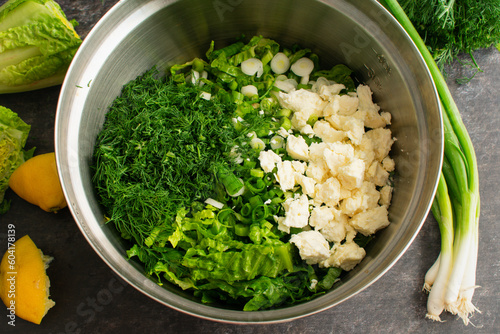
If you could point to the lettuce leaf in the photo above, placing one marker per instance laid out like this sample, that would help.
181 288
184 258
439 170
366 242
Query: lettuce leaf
37 44
338 73
13 135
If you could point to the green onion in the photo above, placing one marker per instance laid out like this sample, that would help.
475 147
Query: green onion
249 91
284 112
443 212
280 63
246 210
277 142
286 123
460 173
267 57
260 212
255 185
234 186
242 230
252 66
303 68
257 172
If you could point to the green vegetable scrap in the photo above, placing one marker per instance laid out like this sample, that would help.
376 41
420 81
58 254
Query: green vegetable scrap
37 44
176 169
451 27
13 135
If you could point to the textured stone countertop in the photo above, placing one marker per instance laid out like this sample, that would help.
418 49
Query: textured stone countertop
91 298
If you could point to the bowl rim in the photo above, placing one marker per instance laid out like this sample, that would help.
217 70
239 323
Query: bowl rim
145 286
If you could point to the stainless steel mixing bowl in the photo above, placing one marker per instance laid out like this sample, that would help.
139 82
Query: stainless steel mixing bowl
138 34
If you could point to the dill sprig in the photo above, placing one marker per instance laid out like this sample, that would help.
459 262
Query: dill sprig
452 27
159 149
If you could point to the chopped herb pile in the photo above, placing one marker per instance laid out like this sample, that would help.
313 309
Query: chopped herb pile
158 152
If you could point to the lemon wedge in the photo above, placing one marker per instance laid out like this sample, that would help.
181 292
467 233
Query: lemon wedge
24 284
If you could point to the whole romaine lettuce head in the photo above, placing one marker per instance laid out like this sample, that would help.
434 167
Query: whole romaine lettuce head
37 44
13 135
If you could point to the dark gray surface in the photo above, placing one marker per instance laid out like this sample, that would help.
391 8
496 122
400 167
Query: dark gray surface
90 298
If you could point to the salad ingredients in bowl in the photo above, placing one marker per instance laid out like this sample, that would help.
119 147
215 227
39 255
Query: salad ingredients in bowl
252 177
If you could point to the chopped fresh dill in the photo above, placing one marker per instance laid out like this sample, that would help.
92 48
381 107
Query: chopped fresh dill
159 151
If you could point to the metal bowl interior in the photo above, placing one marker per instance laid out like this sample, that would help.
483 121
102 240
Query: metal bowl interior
136 35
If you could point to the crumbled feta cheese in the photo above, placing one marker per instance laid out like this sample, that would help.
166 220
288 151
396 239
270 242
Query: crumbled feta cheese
318 171
385 195
313 247
348 105
388 164
328 92
366 197
351 175
334 232
304 103
344 105
370 221
327 133
364 150
305 130
316 151
281 226
344 193
285 175
299 121
268 160
352 127
283 132
331 223
367 110
377 174
307 184
297 147
382 141
332 108
347 150
338 176
345 256
334 160
328 192
299 166
296 211
386 116
321 216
